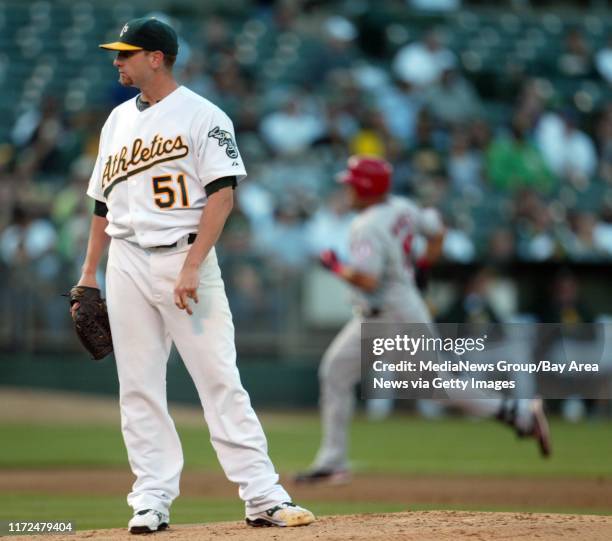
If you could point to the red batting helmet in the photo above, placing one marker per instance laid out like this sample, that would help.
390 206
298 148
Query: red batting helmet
369 176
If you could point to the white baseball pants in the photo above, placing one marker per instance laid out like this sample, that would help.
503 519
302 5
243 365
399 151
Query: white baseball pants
144 322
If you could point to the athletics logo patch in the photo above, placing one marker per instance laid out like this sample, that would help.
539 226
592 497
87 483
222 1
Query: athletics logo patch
224 138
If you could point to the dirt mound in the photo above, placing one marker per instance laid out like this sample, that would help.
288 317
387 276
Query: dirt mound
422 525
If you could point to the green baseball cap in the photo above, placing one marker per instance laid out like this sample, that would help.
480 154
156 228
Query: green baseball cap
145 34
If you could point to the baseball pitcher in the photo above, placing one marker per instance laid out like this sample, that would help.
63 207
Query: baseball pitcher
163 184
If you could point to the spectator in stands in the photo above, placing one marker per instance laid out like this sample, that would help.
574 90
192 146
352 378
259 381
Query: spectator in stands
536 239
194 76
238 239
70 196
458 246
473 305
252 301
340 127
568 152
453 99
231 86
292 129
256 203
421 63
337 49
284 240
501 246
19 289
216 37
513 161
578 239
480 135
328 228
576 60
465 165
531 101
373 136
603 61
286 15
38 134
29 240
71 214
400 104
7 182
427 155
564 303
603 231
604 143
27 248
72 241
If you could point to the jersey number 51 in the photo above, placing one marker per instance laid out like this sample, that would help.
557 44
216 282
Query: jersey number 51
165 191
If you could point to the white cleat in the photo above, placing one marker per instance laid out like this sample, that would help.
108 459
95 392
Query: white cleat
284 514
148 521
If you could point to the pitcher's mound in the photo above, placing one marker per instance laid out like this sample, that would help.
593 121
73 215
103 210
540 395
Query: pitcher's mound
421 525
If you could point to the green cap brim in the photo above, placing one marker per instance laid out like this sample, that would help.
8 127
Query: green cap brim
119 46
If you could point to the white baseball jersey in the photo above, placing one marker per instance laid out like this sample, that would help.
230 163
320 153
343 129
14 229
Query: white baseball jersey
381 245
153 165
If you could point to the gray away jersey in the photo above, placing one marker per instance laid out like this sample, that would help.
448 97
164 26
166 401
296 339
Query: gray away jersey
381 241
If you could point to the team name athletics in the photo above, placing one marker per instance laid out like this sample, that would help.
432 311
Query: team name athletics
140 156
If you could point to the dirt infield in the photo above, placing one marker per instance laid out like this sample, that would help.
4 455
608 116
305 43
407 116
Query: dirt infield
422 526
489 492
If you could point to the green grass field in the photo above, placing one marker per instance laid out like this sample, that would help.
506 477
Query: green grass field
95 512
402 445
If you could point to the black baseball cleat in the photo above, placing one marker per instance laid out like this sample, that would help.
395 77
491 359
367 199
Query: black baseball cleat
328 476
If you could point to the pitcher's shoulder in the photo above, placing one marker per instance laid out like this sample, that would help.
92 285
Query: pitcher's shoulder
200 104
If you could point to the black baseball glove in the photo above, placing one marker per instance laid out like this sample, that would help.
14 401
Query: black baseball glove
91 321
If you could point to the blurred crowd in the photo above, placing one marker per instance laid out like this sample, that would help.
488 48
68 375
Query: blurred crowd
521 176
